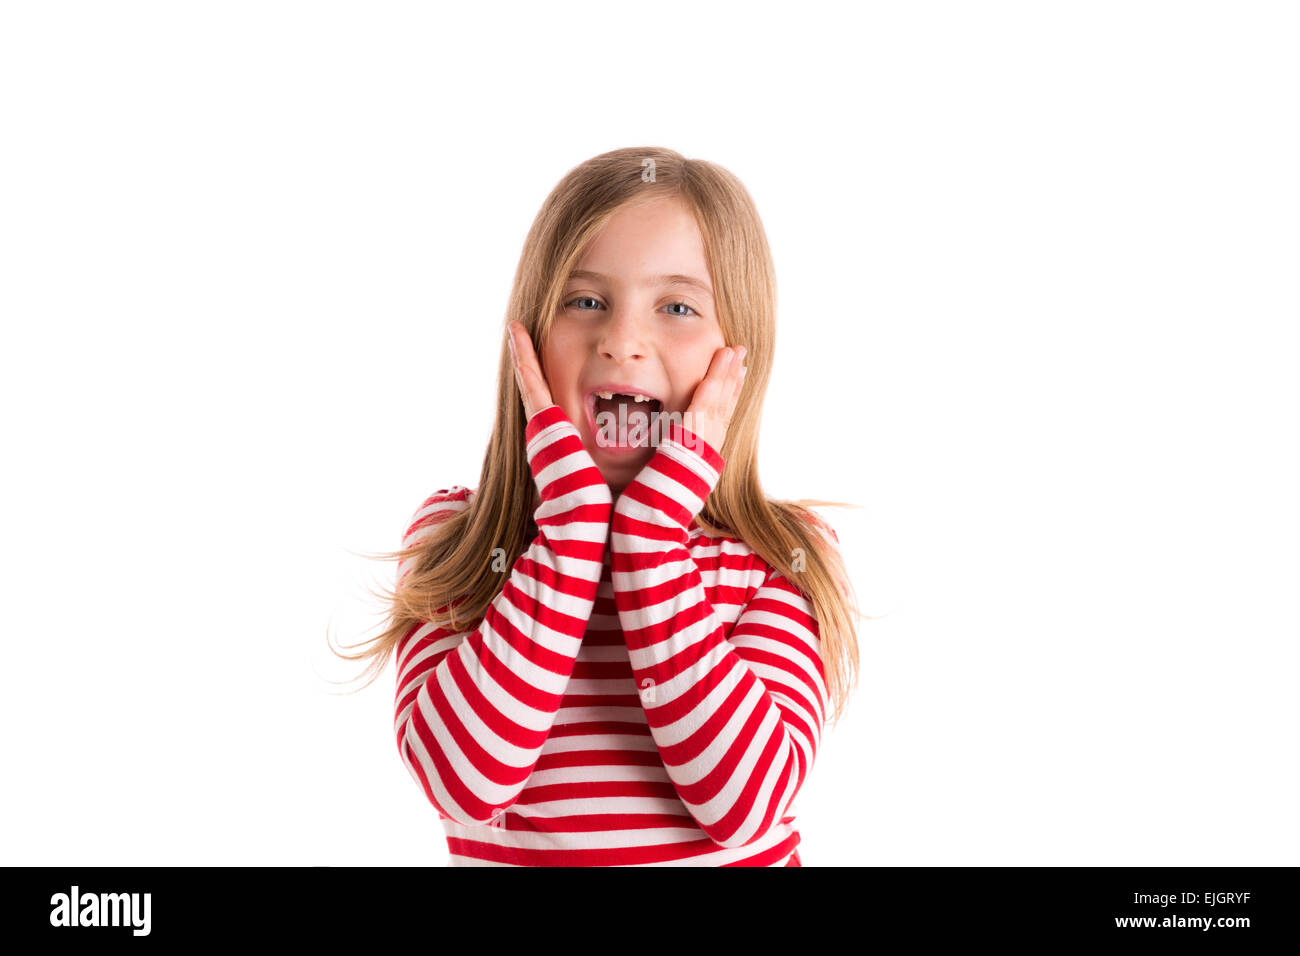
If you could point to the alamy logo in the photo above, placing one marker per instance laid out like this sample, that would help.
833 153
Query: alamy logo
101 909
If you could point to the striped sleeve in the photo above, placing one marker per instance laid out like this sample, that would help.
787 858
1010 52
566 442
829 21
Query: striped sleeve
439 506
473 709
737 719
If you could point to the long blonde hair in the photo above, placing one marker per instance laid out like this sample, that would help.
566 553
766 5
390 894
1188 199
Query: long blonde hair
452 578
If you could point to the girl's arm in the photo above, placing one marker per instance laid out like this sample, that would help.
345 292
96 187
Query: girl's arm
473 709
737 719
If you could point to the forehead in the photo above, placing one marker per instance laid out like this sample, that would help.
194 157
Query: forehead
647 240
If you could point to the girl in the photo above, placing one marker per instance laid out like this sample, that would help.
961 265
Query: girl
616 650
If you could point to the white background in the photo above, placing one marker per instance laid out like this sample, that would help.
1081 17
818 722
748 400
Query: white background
1038 308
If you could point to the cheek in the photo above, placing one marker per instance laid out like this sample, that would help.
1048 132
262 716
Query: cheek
554 368
561 359
701 356
688 371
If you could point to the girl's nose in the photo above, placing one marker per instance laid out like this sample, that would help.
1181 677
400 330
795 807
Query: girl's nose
623 337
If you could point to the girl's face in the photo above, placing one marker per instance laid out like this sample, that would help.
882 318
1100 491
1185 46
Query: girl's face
636 315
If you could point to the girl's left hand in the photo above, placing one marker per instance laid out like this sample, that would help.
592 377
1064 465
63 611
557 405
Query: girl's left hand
714 400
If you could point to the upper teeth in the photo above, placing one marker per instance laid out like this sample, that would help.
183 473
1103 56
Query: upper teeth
635 397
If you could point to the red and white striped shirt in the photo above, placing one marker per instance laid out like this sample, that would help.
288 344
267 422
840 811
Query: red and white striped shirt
638 694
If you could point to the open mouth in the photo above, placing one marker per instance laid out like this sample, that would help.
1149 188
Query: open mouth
621 422
623 407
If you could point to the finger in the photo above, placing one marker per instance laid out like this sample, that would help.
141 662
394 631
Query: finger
709 402
739 385
532 383
733 373
514 366
539 394
716 383
735 381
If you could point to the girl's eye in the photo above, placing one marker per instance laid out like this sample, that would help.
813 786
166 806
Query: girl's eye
596 305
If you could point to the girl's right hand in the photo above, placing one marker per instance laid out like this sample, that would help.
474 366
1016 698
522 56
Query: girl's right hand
528 371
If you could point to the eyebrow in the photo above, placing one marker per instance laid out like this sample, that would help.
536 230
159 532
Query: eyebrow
675 279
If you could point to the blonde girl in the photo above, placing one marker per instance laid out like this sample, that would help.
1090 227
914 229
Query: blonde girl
615 649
